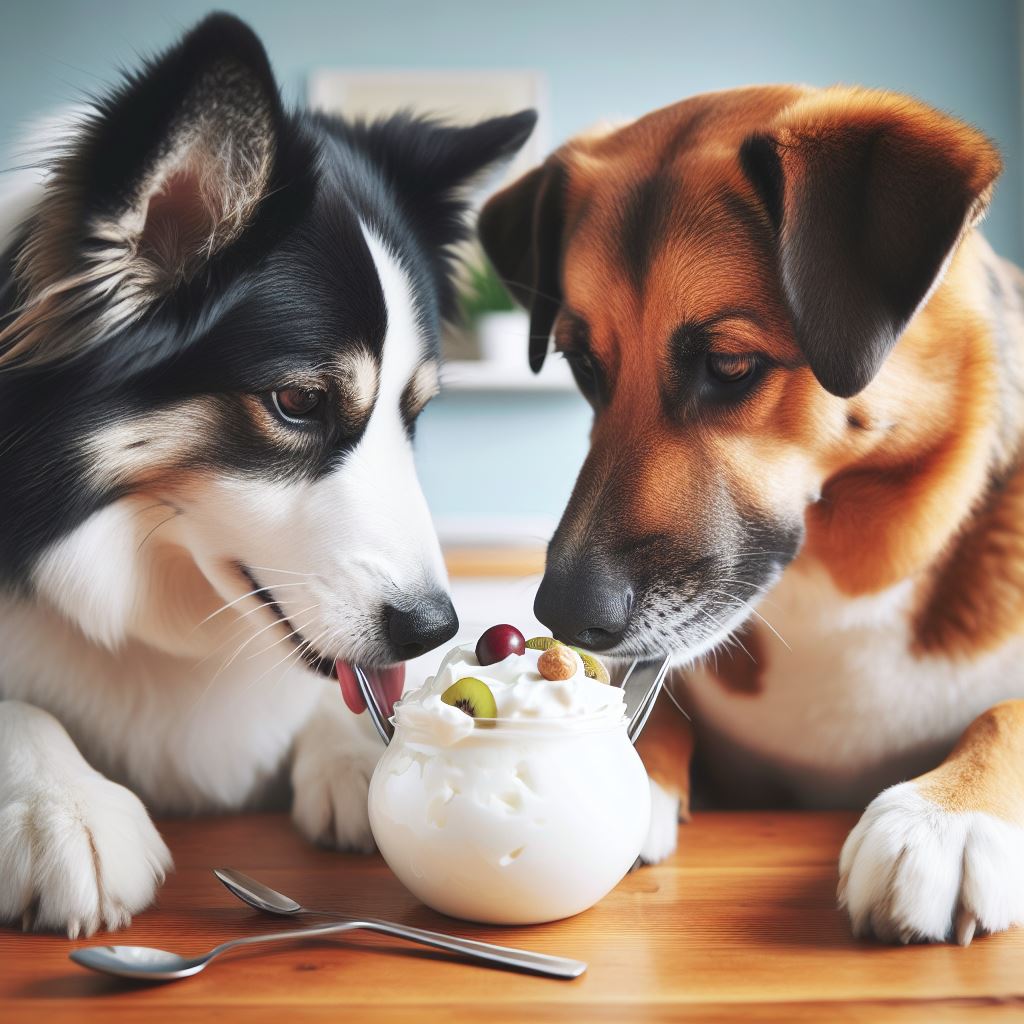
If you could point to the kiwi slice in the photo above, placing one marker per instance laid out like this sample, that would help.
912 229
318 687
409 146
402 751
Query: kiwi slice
542 643
473 696
593 666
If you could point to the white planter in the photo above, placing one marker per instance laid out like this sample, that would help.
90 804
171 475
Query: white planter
504 338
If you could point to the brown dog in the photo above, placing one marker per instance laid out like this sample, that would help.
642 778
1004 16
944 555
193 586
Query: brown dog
807 374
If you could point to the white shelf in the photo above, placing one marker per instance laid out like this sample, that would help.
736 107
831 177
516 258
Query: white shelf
495 531
480 375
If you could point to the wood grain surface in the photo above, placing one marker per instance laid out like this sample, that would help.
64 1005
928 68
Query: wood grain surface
510 562
740 925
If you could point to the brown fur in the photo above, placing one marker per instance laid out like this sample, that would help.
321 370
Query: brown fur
915 472
985 771
739 667
974 602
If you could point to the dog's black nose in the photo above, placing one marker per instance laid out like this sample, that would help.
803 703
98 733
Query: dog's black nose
587 603
421 626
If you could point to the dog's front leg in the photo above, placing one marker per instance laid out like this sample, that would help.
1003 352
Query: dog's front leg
665 747
77 851
943 855
335 754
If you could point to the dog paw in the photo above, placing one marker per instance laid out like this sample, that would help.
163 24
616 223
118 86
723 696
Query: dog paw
662 836
911 871
330 781
78 855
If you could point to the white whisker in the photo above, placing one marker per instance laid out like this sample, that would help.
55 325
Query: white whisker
231 604
287 636
296 652
290 572
753 611
270 625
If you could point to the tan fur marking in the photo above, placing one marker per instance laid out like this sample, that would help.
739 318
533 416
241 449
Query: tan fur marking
985 771
425 384
138 449
359 374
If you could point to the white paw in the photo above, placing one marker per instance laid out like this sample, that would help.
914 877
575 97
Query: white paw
911 871
76 855
663 833
330 780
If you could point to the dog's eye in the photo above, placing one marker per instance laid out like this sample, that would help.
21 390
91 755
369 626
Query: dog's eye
729 378
730 369
294 404
582 364
585 371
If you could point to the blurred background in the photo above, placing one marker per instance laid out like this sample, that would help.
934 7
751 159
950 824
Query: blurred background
498 452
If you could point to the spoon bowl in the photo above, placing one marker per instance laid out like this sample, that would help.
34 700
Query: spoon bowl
258 895
141 963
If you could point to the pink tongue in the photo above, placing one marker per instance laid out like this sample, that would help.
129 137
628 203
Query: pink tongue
386 684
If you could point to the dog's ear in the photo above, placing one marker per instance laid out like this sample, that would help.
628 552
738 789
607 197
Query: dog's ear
166 173
522 230
425 158
869 194
430 164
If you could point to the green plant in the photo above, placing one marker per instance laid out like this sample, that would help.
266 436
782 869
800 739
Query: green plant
484 293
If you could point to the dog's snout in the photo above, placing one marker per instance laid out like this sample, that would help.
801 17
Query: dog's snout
422 626
587 603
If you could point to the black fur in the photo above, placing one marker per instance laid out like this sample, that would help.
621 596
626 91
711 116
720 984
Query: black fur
863 236
522 230
759 159
645 220
294 290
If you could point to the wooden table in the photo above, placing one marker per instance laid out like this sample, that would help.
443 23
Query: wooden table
741 925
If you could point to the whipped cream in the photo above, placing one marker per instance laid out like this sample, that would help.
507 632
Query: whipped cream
520 693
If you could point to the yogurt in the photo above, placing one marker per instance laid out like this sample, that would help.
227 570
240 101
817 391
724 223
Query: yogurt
529 817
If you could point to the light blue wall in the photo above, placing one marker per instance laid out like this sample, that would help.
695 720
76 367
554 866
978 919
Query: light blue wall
602 59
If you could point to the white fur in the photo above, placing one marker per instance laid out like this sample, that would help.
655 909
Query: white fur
76 850
662 836
911 871
330 777
155 669
846 708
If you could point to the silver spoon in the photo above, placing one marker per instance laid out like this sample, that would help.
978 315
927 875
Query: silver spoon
143 963
262 897
641 685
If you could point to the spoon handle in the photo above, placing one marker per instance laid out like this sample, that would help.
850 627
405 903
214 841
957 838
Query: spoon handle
506 956
295 933
521 959
381 722
642 685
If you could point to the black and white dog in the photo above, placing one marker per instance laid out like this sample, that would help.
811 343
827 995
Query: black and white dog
220 321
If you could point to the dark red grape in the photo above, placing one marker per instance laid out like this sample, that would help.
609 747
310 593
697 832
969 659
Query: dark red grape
498 642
